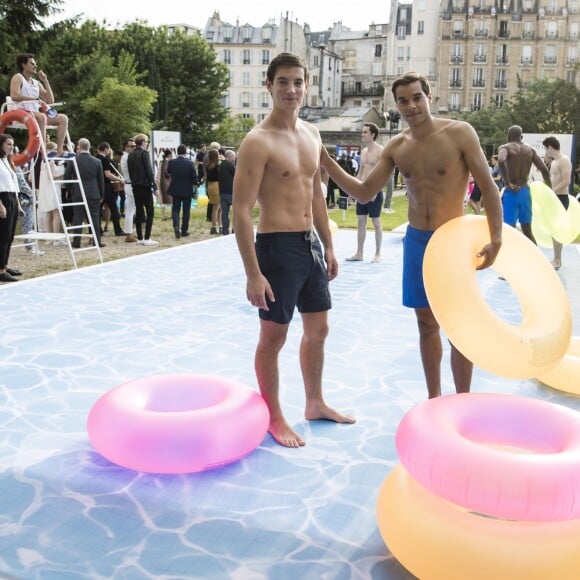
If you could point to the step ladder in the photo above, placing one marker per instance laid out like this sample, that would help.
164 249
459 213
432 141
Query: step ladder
68 232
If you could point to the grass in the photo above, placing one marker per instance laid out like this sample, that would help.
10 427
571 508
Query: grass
347 219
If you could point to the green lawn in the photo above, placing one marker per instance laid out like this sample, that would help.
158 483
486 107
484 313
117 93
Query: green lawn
348 220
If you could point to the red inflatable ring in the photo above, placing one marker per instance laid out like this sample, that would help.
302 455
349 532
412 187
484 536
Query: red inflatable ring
28 119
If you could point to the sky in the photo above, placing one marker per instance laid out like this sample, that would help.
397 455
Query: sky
319 14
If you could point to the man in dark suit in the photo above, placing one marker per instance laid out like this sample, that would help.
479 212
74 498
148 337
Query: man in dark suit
226 172
91 175
181 189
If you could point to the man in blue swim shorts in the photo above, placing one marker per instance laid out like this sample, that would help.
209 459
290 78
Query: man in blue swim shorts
435 156
279 168
515 160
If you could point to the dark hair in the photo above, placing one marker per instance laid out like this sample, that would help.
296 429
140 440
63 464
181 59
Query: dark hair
285 59
551 142
103 145
127 141
409 78
374 129
3 138
118 152
22 59
181 149
167 153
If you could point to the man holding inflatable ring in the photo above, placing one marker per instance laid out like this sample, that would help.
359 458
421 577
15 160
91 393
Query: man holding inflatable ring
435 157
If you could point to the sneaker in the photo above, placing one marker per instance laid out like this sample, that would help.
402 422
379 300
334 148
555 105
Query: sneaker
213 231
130 238
150 243
6 277
140 242
35 252
388 210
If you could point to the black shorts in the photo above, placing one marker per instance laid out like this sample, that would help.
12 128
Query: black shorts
564 200
293 264
372 208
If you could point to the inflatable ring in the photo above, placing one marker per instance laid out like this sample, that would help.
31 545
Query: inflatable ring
565 376
509 457
202 201
34 136
550 216
435 539
177 423
516 351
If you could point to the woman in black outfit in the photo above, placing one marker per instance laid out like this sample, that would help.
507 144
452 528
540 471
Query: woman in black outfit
9 206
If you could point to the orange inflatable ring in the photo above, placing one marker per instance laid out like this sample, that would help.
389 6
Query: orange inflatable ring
521 351
565 376
34 136
435 539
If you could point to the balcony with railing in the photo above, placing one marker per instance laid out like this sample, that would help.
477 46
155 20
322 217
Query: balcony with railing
457 59
479 58
527 61
478 84
549 60
500 84
357 89
501 60
480 33
455 83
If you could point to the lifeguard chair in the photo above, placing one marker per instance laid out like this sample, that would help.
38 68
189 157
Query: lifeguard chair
9 120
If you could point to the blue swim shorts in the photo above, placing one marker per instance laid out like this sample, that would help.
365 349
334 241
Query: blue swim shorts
372 208
517 206
414 245
293 264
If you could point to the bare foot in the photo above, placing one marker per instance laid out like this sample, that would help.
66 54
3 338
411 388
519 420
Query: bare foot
284 434
376 259
355 258
556 264
317 412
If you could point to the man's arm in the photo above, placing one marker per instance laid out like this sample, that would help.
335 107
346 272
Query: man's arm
542 167
365 190
15 86
502 161
477 164
321 223
252 160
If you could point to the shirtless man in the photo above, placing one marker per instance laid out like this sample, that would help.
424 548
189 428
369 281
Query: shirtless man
435 157
561 178
27 92
369 158
515 160
278 166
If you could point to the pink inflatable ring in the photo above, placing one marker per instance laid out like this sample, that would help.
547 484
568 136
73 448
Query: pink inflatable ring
177 423
509 457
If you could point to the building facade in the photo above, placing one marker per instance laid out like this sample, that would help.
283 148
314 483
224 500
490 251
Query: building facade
488 47
247 51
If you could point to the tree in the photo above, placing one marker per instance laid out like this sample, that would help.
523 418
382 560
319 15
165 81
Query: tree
121 110
232 130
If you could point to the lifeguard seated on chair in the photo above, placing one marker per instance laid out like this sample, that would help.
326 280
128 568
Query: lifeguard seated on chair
27 93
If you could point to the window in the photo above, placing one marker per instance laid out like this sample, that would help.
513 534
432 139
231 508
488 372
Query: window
457 28
571 55
378 50
574 26
480 29
266 34
209 35
227 56
315 80
228 33
478 77
501 53
477 101
263 78
528 31
246 79
400 53
420 27
248 30
315 61
455 80
454 102
503 29
265 57
479 53
527 55
401 32
552 29
457 54
265 99
314 101
377 69
499 100
549 54
349 59
245 98
500 79
246 56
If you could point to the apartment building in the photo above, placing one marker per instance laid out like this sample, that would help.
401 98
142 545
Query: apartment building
488 45
325 70
248 50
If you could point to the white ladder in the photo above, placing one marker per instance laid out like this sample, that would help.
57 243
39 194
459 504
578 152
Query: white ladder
67 231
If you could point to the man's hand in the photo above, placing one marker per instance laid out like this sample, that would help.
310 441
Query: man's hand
42 76
489 254
331 264
257 289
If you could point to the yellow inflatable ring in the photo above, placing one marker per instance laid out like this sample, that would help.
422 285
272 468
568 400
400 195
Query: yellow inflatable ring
521 351
551 218
435 539
565 376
